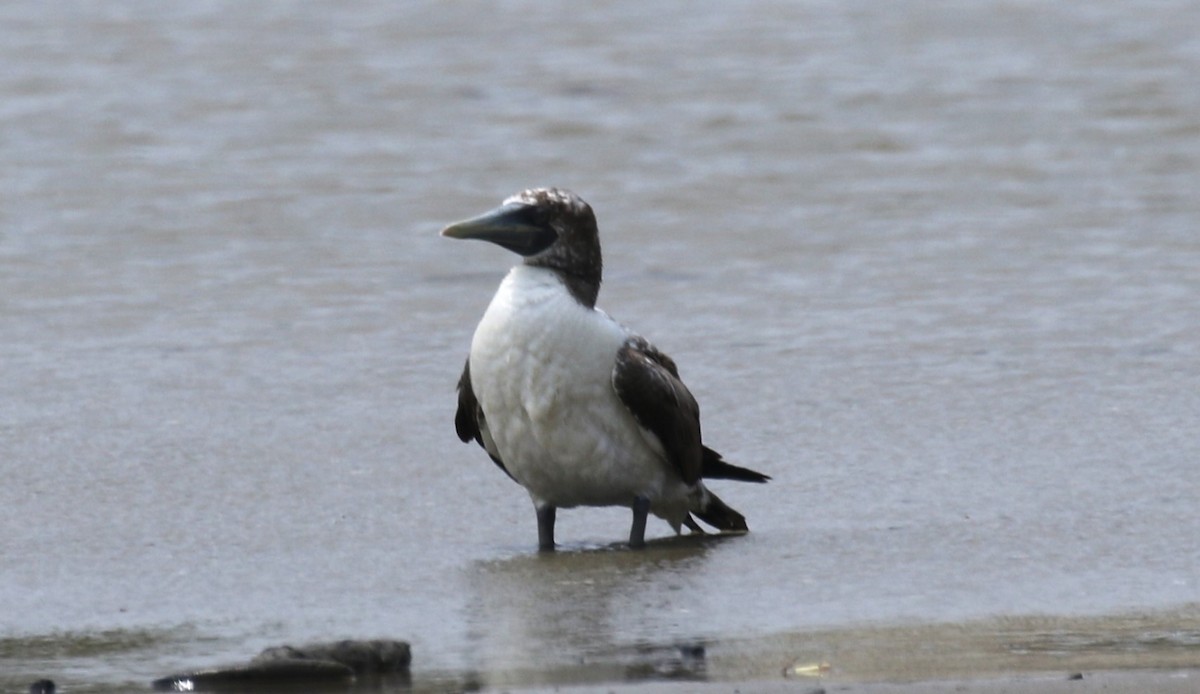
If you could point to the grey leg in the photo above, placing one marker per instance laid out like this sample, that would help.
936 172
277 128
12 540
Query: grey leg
545 516
637 533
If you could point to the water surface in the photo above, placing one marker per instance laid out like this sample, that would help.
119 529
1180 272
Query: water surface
932 267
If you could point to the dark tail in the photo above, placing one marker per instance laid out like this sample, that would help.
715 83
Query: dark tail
720 516
714 467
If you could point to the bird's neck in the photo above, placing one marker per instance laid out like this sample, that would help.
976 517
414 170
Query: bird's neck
584 287
580 271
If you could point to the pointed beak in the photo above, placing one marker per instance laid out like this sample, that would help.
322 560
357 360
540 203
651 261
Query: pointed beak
513 226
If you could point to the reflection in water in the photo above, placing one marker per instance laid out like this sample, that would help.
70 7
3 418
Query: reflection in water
582 616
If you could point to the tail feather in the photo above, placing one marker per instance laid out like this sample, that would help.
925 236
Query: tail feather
718 515
713 466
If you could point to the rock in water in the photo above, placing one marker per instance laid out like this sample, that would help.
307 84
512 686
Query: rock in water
363 657
277 673
299 667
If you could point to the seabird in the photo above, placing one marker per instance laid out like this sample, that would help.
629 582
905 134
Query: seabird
572 405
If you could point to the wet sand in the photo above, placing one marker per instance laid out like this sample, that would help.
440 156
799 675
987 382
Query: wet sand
1156 652
1131 652
1109 682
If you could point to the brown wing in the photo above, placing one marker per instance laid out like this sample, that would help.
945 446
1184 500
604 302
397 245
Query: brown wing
469 421
647 382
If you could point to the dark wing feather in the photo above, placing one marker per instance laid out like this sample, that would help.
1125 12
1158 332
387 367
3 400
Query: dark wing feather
465 420
715 467
647 382
469 421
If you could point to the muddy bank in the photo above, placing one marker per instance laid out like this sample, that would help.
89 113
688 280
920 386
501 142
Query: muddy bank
1113 682
1157 651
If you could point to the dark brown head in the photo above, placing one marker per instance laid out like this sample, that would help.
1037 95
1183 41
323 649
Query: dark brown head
552 228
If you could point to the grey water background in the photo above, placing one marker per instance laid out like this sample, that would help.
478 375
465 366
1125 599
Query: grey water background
933 266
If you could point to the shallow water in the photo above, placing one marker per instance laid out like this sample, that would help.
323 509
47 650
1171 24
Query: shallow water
932 267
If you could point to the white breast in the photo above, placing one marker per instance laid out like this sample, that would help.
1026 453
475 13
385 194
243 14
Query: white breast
541 367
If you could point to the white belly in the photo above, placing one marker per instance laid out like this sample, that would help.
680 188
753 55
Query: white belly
541 368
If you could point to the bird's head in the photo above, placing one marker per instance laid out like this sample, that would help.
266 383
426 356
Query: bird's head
531 222
550 227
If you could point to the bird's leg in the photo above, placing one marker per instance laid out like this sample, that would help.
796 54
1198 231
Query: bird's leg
545 516
637 533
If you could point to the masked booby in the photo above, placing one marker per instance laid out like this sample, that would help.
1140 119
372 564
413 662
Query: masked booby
573 406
